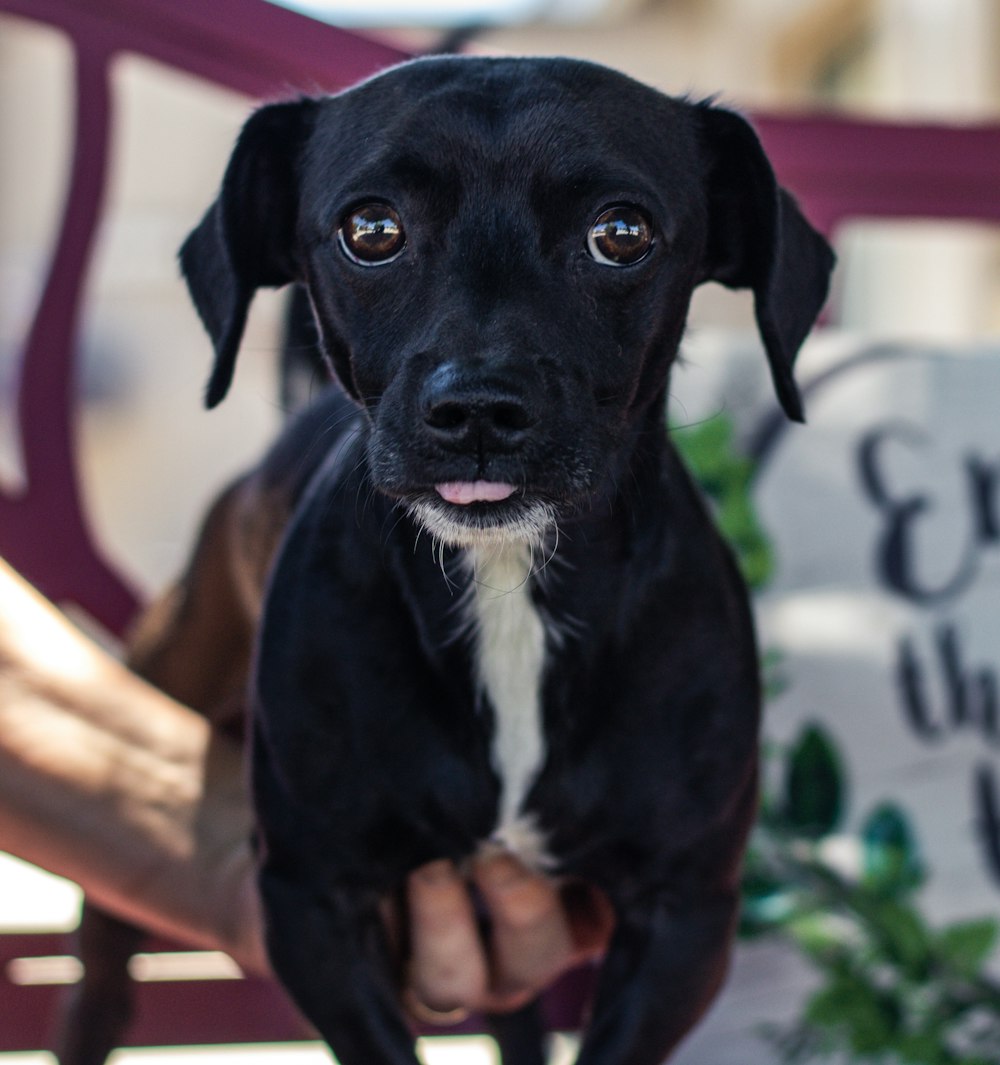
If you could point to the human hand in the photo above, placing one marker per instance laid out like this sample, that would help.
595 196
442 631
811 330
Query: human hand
538 929
105 780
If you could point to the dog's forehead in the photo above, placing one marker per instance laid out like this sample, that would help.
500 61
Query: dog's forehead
442 113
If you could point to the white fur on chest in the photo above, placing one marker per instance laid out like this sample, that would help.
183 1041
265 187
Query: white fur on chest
510 658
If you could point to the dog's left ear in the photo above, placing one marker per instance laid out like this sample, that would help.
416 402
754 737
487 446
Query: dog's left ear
246 239
759 239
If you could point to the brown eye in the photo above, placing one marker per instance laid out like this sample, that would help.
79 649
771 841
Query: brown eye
372 234
620 236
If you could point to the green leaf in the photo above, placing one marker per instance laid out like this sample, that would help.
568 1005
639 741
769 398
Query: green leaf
738 524
922 1048
820 937
764 913
965 946
904 937
891 862
725 476
813 785
864 1015
767 902
774 679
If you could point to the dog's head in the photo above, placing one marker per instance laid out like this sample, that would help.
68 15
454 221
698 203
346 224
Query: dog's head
500 254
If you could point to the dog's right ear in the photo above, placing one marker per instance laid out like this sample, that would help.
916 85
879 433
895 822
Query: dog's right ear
247 238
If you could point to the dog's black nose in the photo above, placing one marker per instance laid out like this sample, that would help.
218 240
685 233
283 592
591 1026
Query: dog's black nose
472 410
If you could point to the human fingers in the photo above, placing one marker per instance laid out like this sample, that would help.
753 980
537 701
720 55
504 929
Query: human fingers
448 968
531 941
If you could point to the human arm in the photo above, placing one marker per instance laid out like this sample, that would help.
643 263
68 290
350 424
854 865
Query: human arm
110 783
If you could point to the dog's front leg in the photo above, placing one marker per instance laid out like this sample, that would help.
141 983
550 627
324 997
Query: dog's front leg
330 951
665 963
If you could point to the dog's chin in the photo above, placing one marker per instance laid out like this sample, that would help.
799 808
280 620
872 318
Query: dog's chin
485 524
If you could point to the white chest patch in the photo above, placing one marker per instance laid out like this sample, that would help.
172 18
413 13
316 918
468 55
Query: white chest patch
510 656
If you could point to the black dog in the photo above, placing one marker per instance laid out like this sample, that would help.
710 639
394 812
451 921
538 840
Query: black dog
500 615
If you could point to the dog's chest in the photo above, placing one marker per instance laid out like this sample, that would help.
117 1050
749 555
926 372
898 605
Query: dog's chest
510 648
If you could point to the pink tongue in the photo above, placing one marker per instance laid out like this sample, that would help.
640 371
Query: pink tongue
465 492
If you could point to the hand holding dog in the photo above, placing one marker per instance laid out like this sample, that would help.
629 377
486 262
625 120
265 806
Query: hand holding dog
537 932
199 841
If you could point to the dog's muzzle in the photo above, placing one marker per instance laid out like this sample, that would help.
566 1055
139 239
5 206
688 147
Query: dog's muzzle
482 513
475 426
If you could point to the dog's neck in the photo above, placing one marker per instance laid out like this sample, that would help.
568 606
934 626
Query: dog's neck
510 654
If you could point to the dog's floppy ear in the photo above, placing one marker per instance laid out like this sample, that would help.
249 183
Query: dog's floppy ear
759 239
246 239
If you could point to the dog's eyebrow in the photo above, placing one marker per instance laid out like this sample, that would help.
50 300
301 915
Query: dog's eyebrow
584 180
420 173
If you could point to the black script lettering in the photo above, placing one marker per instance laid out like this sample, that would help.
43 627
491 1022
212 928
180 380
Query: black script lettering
987 805
895 554
912 681
969 696
984 484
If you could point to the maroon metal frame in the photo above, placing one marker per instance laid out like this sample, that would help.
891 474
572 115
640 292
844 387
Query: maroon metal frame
844 169
246 45
168 1013
839 168
202 1012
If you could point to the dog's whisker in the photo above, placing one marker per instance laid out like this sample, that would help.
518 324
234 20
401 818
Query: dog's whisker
334 422
552 553
675 426
362 505
400 516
